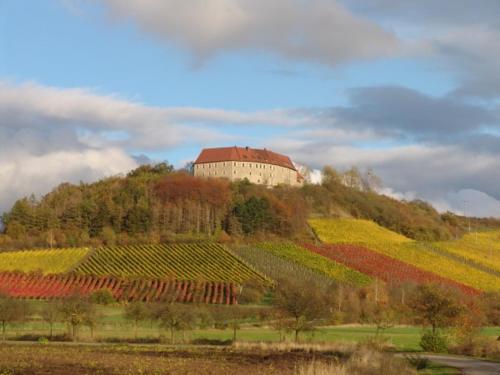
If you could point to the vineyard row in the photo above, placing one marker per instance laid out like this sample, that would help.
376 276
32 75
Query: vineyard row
36 286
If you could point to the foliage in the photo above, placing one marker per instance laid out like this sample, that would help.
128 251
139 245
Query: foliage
380 266
331 268
151 204
21 285
433 342
369 235
354 194
11 310
47 261
175 317
482 248
276 267
436 307
353 231
136 312
195 261
304 306
102 297
76 311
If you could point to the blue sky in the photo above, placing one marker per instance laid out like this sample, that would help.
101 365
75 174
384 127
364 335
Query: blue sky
409 91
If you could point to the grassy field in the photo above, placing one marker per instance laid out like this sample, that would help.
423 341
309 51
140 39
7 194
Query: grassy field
113 325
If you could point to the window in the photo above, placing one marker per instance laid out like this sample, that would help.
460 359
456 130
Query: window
235 164
242 164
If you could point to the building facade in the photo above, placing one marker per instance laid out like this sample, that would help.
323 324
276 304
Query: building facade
237 163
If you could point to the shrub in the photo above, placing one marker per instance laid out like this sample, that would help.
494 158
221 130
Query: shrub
420 363
102 297
433 342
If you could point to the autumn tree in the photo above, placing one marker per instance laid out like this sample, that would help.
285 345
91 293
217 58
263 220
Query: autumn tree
305 307
136 312
11 310
77 311
435 307
175 317
51 314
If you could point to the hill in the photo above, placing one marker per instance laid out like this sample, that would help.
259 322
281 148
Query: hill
155 204
373 247
195 261
45 261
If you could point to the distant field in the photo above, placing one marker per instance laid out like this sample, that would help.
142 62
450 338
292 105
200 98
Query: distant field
46 261
383 241
193 261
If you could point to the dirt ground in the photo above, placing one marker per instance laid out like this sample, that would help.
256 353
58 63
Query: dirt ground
39 359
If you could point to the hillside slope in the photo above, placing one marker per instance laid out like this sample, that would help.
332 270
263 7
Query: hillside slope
46 261
369 235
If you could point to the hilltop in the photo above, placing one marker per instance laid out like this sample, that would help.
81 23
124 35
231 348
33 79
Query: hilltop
156 204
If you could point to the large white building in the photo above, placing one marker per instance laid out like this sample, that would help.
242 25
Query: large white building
237 163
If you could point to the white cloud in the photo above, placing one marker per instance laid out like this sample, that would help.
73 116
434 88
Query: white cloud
28 174
50 135
314 30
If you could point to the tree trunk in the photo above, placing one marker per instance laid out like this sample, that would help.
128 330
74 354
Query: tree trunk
172 336
296 335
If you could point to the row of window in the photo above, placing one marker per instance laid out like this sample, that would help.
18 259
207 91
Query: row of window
257 165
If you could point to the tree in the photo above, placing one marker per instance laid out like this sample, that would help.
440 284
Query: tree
254 215
11 310
306 307
51 314
228 317
435 307
175 317
77 311
136 312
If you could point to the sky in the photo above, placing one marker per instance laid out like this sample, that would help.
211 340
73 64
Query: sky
411 89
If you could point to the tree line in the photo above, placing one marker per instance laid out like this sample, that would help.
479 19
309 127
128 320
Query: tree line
292 310
154 204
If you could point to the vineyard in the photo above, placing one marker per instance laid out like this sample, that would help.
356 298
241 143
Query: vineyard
351 231
482 248
278 268
206 261
383 267
36 286
319 264
369 235
44 261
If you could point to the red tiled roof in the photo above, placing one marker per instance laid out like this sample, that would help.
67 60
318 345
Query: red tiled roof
214 155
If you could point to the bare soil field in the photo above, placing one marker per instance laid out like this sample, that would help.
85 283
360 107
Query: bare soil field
56 359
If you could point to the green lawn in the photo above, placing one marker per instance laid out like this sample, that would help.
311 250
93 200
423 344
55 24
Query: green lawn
112 324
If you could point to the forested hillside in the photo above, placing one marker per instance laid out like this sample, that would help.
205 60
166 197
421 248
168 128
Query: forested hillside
155 204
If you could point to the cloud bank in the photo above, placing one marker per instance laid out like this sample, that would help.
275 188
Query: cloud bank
49 135
312 30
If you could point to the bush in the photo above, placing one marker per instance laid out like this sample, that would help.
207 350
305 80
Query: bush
102 297
418 362
433 342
